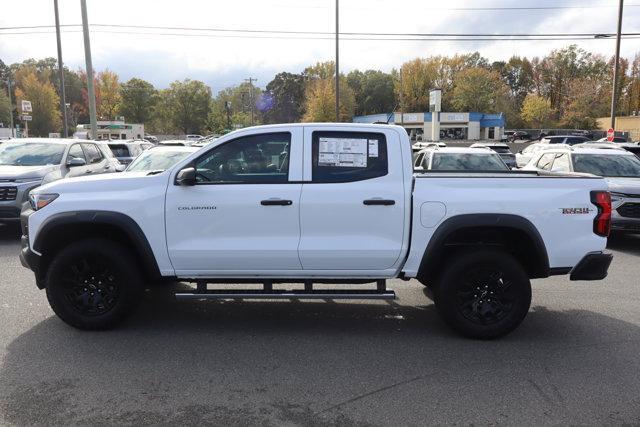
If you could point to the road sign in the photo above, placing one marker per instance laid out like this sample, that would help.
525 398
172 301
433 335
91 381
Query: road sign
610 134
26 118
26 106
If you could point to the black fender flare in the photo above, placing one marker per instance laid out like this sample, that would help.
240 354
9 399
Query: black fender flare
432 253
97 217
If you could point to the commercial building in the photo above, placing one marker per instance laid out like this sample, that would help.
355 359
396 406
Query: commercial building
462 126
112 129
629 125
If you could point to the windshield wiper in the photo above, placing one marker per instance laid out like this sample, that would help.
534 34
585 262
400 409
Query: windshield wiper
155 172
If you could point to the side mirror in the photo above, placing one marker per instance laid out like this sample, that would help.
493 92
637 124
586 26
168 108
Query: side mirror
75 161
186 176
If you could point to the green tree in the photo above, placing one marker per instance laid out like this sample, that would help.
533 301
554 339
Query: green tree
139 98
373 91
536 111
44 102
478 89
5 109
188 104
284 98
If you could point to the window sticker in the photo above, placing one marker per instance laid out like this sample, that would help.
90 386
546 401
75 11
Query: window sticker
373 148
343 152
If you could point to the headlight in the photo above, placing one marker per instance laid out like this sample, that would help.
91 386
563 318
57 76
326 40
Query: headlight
39 201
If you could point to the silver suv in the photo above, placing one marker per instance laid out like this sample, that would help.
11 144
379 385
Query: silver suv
30 162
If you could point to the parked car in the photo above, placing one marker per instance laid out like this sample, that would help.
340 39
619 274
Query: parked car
315 202
519 135
620 169
618 139
524 156
126 151
174 143
193 138
464 159
152 139
27 163
159 159
502 149
564 139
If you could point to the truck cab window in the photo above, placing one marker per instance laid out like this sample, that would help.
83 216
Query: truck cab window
257 159
348 156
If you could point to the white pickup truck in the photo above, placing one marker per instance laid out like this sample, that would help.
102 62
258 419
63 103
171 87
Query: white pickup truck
314 203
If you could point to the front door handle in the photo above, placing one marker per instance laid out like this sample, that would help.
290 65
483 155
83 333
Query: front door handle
276 202
379 202
88 171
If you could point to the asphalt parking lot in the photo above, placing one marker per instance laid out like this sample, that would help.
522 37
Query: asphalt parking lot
575 360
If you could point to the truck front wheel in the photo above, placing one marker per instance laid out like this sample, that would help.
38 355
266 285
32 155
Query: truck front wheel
483 293
93 284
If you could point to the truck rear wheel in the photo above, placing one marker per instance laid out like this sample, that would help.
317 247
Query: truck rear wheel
483 293
93 284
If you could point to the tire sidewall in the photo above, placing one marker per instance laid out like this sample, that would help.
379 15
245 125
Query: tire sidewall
450 280
118 259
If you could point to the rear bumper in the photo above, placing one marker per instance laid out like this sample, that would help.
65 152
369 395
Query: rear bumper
593 266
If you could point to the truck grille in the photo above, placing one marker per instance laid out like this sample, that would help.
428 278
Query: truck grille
8 193
629 210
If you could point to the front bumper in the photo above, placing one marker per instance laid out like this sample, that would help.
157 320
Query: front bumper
594 266
28 258
10 209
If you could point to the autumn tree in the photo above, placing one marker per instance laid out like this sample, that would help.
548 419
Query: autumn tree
320 95
138 99
478 89
44 102
109 87
536 111
6 109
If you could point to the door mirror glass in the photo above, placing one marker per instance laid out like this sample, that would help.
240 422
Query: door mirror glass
186 176
75 161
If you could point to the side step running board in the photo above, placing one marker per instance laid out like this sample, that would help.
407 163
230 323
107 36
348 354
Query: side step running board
381 293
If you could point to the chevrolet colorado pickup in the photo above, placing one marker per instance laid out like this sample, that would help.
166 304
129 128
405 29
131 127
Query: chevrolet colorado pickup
307 204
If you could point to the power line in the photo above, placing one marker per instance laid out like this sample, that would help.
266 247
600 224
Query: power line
367 36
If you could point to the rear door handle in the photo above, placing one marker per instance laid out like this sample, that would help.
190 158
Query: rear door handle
88 171
276 202
379 202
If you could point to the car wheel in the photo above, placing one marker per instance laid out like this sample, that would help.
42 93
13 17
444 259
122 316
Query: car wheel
93 284
483 293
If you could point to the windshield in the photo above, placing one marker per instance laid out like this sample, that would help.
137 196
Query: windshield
607 165
467 162
31 153
154 160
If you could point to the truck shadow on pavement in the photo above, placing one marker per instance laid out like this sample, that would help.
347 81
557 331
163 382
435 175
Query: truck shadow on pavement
318 363
627 243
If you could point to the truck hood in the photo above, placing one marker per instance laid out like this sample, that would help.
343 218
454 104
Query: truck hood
25 172
121 181
624 185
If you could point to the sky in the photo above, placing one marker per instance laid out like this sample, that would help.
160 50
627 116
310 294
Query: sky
223 59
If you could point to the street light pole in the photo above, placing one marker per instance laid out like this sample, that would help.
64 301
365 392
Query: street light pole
614 95
337 64
63 98
87 58
13 129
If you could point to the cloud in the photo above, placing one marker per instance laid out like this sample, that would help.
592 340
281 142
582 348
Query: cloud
224 61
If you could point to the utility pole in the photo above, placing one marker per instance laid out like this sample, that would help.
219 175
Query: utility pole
401 101
63 98
251 80
614 95
337 64
13 129
87 58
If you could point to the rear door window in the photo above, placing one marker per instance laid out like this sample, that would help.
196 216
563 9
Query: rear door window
338 156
